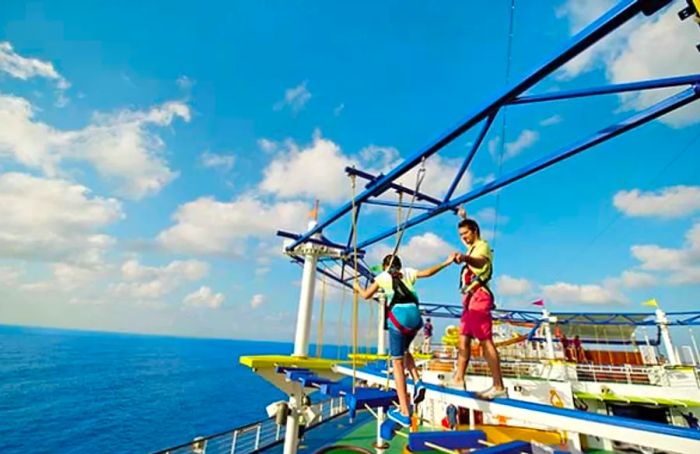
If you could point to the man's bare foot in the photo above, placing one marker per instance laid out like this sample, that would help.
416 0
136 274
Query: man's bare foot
459 382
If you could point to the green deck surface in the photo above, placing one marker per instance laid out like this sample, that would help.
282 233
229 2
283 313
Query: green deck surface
366 434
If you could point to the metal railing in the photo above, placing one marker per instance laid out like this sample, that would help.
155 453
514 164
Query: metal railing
633 375
252 437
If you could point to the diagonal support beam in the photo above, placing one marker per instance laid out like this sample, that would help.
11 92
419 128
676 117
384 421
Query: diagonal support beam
617 16
608 89
400 188
634 121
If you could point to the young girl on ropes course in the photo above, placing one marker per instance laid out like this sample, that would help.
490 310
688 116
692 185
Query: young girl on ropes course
404 323
477 303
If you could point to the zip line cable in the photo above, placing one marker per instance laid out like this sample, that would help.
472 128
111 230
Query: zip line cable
509 60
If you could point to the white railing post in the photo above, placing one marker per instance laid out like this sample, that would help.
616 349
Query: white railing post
233 442
257 437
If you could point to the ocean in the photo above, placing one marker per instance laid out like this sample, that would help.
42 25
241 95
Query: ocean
91 392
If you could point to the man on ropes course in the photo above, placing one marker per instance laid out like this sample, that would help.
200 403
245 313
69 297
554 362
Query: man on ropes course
405 320
477 303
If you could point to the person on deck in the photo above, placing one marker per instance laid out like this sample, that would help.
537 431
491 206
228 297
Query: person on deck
691 420
477 303
405 321
565 347
579 351
427 335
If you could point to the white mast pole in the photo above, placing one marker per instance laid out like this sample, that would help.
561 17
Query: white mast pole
548 333
662 321
301 339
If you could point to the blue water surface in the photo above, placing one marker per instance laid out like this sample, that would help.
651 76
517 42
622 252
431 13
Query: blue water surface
90 392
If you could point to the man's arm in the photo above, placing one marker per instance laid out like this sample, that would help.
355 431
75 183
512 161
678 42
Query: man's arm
368 292
437 268
477 261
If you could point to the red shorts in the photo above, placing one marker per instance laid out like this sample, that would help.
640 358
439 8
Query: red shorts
476 316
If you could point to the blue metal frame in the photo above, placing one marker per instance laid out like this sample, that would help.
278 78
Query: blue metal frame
485 116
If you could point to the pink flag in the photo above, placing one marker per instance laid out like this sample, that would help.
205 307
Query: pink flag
538 303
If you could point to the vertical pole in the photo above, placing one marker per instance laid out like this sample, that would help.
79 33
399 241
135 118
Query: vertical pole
548 334
380 445
662 321
306 302
291 434
695 346
233 442
257 437
301 340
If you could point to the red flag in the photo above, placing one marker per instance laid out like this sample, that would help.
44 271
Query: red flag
538 303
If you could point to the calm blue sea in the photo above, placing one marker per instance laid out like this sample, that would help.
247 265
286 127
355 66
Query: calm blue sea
89 392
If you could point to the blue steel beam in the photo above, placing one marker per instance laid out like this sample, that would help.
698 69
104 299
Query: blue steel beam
617 16
320 241
397 187
470 156
608 89
387 203
651 113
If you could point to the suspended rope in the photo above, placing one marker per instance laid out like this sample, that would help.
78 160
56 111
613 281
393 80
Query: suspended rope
370 328
319 329
509 58
401 228
341 328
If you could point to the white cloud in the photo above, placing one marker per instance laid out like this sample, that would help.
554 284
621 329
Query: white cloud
338 110
581 13
24 68
224 162
318 171
562 292
525 140
184 83
511 286
654 257
646 48
671 202
121 146
682 263
267 145
210 227
52 219
204 297
553 120
637 279
315 171
488 215
262 271
147 282
295 98
257 301
9 275
686 276
419 251
69 277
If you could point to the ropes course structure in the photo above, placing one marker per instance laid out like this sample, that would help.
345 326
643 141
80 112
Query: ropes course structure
350 253
315 251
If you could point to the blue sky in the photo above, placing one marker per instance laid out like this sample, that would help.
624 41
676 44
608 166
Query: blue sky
148 155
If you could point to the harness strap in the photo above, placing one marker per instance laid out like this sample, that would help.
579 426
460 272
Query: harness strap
402 329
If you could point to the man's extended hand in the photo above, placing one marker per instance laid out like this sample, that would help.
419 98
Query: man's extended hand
462 212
